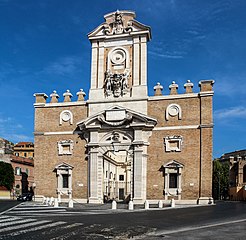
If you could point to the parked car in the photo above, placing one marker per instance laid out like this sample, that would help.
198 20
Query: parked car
25 197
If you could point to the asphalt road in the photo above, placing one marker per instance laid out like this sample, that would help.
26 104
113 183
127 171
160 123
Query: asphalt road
7 204
221 221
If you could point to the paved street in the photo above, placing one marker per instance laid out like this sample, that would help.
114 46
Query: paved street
28 221
7 204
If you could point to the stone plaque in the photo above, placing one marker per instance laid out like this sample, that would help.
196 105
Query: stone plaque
115 115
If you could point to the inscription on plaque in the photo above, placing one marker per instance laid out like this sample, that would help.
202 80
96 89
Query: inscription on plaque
116 115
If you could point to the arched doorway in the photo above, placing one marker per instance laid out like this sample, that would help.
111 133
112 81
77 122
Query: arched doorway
117 141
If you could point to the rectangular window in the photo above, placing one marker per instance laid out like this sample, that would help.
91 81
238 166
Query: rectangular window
27 172
121 177
173 180
24 154
18 171
65 180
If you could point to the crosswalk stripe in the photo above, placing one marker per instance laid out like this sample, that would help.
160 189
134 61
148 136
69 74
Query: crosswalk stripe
55 224
33 211
4 217
37 207
18 221
9 219
23 226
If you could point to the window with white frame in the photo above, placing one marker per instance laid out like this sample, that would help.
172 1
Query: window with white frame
64 179
65 147
173 179
173 143
18 171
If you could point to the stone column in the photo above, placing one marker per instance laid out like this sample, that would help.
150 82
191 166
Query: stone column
139 174
166 183
100 65
143 79
93 177
70 184
136 61
94 70
179 175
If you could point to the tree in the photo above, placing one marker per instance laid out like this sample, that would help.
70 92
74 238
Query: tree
220 179
7 177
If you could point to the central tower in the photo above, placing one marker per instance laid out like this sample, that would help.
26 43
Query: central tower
119 62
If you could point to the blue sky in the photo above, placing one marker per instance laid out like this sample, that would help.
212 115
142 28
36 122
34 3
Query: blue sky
44 47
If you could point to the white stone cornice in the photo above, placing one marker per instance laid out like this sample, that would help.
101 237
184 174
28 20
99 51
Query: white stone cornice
176 127
61 104
117 100
178 96
206 94
55 133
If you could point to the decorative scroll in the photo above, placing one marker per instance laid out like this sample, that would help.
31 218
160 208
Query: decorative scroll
117 27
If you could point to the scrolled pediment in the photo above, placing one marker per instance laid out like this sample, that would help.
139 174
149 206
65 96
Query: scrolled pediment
117 117
119 22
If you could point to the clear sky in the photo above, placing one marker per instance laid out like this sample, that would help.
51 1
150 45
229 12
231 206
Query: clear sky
44 47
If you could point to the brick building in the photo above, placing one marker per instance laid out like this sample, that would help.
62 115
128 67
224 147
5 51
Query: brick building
237 173
121 143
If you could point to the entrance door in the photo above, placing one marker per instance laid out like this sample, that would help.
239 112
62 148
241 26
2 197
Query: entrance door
121 194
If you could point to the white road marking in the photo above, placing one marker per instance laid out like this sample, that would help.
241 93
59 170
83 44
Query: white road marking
18 221
27 225
36 228
9 219
195 228
37 207
33 211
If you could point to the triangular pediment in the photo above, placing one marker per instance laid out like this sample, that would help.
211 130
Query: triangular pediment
63 166
173 164
117 117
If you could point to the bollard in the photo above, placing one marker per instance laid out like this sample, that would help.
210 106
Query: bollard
130 205
114 204
51 201
172 202
70 203
160 204
56 204
146 204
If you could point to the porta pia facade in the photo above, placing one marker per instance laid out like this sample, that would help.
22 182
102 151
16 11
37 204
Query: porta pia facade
121 143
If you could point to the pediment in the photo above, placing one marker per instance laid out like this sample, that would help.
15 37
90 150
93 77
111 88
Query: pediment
173 164
63 166
117 117
118 23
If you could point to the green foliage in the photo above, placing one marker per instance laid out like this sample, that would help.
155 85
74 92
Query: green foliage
7 177
220 179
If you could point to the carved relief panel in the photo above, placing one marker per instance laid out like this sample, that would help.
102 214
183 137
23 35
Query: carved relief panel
117 76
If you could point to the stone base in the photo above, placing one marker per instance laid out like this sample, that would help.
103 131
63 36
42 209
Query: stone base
138 201
95 201
205 200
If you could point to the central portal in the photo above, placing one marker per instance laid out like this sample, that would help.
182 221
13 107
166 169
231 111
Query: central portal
117 141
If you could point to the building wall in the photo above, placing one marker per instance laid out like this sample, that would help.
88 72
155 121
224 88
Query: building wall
48 133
